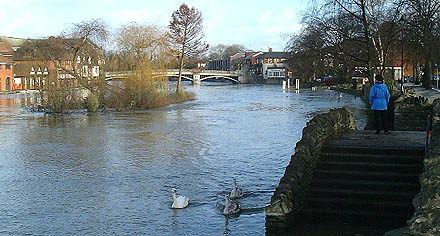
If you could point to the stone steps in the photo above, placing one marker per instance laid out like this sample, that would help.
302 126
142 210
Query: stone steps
366 195
372 158
370 166
319 207
376 151
365 184
366 175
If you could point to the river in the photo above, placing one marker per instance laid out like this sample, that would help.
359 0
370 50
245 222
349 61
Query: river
112 173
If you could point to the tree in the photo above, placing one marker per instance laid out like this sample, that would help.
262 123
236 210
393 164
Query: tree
223 51
76 56
137 44
143 50
186 33
306 49
423 16
354 34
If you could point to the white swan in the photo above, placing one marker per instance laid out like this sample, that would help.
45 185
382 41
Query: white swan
230 207
236 191
179 202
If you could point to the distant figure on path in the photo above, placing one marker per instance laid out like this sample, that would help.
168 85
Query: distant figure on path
379 99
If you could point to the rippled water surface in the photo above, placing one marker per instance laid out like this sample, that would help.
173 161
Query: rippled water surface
112 173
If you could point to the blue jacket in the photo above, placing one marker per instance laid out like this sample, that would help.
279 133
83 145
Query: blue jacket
379 97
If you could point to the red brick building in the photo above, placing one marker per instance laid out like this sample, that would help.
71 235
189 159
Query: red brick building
6 74
6 67
20 71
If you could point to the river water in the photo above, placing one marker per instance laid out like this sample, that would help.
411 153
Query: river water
112 173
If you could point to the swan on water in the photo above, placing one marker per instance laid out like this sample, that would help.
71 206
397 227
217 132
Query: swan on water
230 207
179 202
236 191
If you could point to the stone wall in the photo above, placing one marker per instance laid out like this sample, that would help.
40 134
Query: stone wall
410 113
426 219
289 196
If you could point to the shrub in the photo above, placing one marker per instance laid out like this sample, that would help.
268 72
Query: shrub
144 97
92 102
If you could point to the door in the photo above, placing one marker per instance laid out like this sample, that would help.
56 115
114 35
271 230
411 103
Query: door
8 86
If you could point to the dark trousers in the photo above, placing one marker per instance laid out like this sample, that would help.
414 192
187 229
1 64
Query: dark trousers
380 120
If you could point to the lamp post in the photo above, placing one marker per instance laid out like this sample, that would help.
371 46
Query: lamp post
401 62
402 21
437 78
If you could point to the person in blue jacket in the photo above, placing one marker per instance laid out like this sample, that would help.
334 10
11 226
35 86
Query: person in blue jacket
379 99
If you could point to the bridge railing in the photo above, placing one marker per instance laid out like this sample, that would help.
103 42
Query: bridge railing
124 74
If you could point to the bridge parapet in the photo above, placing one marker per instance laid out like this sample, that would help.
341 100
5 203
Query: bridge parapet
189 74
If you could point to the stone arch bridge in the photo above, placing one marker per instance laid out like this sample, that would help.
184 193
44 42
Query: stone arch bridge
194 76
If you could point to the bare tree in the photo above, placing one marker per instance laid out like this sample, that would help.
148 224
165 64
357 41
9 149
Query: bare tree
353 34
74 56
223 51
140 43
77 53
143 49
423 17
186 34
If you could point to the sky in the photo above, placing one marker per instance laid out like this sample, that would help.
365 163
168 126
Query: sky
257 24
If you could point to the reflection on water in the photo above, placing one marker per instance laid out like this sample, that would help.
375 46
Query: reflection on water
111 173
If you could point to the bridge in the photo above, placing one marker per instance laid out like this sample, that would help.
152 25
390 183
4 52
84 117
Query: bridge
192 75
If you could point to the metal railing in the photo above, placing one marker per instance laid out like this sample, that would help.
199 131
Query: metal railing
428 129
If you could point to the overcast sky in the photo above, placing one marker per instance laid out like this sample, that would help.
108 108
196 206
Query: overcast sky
255 24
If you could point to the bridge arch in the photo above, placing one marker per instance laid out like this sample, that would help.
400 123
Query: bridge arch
176 76
216 76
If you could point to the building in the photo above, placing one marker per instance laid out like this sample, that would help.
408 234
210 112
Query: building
7 65
271 66
21 70
6 74
242 60
218 64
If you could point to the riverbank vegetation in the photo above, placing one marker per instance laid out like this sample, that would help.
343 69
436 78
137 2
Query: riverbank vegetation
69 69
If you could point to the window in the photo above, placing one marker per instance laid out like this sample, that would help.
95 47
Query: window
8 67
0 67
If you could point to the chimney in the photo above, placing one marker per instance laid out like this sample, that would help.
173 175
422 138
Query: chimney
270 49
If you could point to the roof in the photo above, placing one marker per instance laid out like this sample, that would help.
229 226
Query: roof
55 47
13 42
273 55
23 68
5 60
249 57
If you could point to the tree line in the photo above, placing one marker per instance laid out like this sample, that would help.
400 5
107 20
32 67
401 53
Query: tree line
79 54
340 37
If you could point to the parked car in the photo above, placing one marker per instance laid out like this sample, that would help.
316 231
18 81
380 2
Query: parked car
329 80
435 77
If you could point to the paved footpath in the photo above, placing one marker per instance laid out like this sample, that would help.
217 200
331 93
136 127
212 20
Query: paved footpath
431 94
